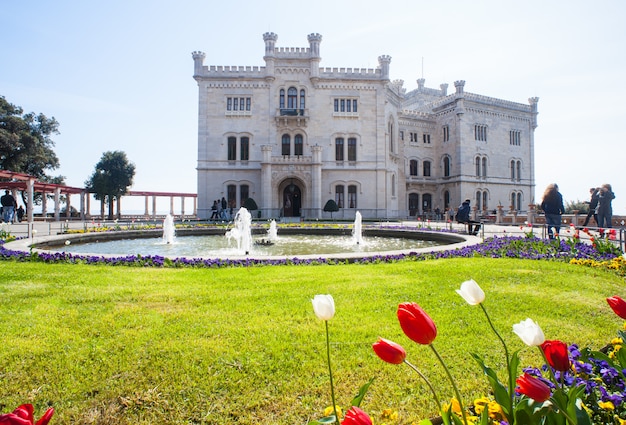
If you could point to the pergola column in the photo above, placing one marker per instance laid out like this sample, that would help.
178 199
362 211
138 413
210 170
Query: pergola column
146 212
182 206
57 207
171 205
29 200
68 206
154 207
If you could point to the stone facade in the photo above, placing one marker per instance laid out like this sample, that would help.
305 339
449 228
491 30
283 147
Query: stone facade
293 135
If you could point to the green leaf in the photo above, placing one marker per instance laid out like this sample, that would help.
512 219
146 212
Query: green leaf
425 422
356 401
325 420
500 391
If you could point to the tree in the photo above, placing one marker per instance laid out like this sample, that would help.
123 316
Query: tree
331 207
250 204
111 179
26 145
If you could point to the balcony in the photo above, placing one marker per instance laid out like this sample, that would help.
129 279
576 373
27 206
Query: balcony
292 116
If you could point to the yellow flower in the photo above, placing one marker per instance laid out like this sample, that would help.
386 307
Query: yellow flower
606 405
621 421
616 341
329 411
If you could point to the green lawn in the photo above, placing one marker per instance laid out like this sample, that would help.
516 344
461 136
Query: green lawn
123 345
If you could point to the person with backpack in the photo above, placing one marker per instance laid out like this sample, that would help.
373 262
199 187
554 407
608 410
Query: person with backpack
463 216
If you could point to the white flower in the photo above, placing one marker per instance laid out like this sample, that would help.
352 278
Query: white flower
529 331
471 292
67 242
324 306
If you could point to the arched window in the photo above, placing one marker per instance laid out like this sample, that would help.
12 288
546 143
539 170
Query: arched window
413 167
339 149
479 198
393 185
485 204
512 170
292 98
426 168
519 201
245 148
513 200
446 166
232 148
352 196
339 195
282 99
286 144
352 149
302 102
519 170
477 166
446 199
298 145
484 166
391 141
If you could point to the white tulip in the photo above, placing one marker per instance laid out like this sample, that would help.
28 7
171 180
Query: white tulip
324 306
529 332
471 292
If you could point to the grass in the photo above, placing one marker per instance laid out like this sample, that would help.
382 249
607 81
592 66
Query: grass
120 345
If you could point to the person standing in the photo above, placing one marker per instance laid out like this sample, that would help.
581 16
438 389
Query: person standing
8 206
593 203
605 209
552 206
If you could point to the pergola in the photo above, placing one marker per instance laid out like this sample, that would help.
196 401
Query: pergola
29 184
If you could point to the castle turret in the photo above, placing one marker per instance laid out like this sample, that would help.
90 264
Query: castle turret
198 62
314 49
444 89
270 53
420 83
459 85
384 62
533 108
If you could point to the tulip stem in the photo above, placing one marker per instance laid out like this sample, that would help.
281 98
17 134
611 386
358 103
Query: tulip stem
456 390
330 372
511 373
545 359
427 383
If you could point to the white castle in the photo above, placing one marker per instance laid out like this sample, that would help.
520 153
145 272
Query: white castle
292 136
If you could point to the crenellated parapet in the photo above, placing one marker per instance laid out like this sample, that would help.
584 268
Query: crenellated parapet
350 73
198 61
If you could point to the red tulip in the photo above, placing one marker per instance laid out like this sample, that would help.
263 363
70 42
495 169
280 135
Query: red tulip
416 324
389 351
618 305
23 415
356 416
557 354
533 387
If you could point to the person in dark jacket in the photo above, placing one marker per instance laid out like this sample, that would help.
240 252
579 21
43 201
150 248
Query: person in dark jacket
593 203
552 206
463 216
605 209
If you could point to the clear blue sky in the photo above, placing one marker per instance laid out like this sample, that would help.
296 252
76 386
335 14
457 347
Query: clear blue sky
117 75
